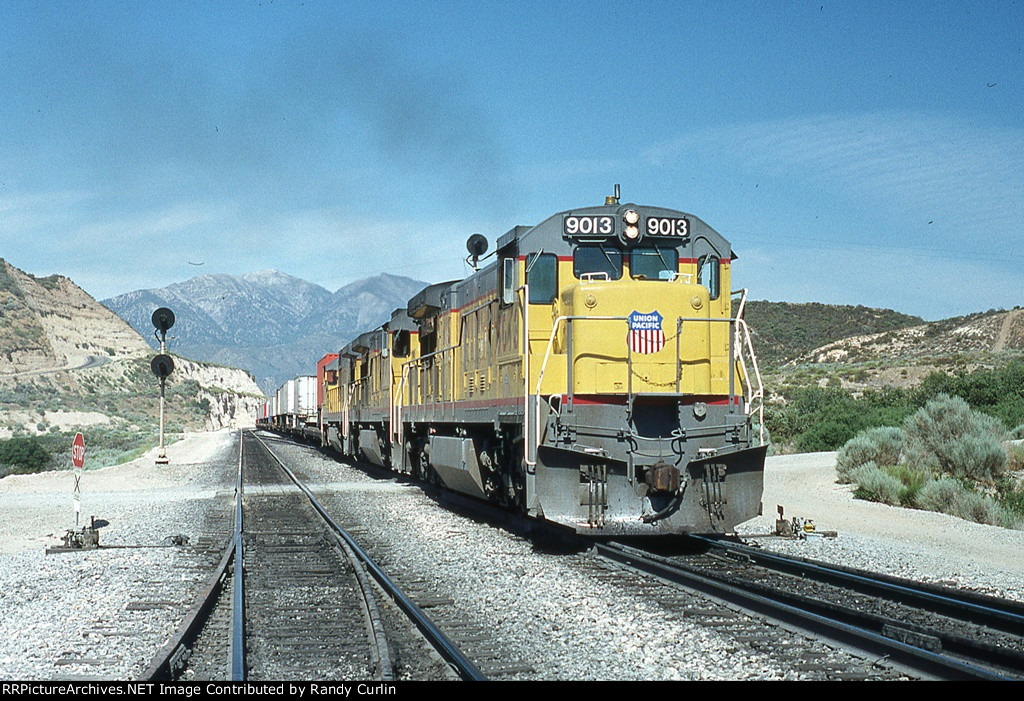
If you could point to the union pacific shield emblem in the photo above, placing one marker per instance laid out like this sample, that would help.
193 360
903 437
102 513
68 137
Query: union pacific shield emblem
645 332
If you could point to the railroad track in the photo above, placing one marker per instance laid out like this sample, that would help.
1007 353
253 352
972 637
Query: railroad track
293 598
801 625
923 631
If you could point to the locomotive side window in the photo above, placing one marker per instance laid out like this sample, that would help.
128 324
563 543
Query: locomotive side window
597 260
401 344
542 277
707 275
508 281
654 263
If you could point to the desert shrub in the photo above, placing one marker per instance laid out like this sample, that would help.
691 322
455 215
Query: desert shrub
962 441
856 452
913 480
1014 457
977 457
875 484
1017 433
998 392
881 446
972 506
1011 496
939 495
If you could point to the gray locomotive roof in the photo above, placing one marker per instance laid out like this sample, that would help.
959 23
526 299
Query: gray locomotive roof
401 321
473 287
428 299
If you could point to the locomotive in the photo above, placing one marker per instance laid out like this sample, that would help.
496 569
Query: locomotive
597 373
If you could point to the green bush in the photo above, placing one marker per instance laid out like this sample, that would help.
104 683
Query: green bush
981 458
882 445
22 455
875 484
962 441
913 480
971 506
939 495
1011 496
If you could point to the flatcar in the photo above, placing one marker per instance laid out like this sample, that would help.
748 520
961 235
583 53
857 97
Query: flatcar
596 373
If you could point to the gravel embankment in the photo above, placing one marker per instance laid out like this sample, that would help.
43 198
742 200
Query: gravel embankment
104 613
921 545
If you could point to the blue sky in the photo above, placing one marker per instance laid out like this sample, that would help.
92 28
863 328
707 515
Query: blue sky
857 153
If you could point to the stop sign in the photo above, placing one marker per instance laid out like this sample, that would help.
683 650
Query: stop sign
78 451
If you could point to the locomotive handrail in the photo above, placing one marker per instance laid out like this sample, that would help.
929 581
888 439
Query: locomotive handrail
759 394
679 321
540 378
744 339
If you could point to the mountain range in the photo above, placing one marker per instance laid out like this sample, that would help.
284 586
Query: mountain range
67 362
274 325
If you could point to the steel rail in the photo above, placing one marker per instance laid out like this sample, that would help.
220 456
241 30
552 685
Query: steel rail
465 668
238 594
919 660
172 657
974 608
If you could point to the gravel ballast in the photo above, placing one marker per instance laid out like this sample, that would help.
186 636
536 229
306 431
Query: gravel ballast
104 613
539 605
920 545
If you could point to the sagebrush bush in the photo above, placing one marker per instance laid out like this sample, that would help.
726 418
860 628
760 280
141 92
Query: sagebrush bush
875 484
882 446
1014 457
938 495
979 508
1017 433
977 457
962 441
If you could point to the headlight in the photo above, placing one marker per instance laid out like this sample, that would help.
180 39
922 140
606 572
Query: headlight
631 216
631 232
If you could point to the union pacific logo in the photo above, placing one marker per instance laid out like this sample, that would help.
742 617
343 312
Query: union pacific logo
645 332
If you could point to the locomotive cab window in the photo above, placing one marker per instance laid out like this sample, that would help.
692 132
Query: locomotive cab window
707 275
654 263
542 277
401 344
508 281
597 261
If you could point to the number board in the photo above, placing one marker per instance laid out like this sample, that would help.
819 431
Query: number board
668 226
590 225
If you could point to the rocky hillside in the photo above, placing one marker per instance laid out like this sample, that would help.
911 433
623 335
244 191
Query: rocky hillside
783 331
49 324
903 357
275 325
976 334
65 358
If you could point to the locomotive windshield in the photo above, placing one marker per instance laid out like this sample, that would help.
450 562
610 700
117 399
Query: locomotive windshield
653 263
597 260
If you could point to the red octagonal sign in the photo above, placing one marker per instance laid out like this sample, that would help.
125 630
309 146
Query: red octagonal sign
78 450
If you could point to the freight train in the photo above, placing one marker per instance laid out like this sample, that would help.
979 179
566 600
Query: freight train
596 373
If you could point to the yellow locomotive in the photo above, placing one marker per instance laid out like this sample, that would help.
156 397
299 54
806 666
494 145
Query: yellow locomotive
597 373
